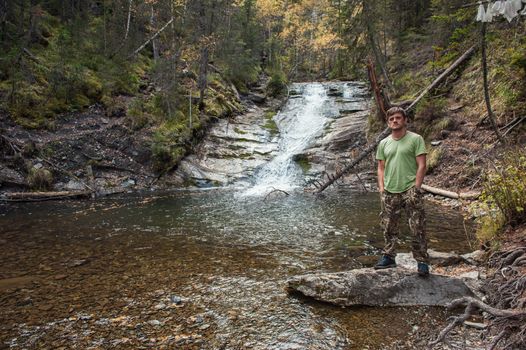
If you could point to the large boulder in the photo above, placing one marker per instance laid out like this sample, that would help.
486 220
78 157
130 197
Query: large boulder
390 287
10 177
257 98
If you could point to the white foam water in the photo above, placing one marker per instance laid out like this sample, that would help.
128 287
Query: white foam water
299 123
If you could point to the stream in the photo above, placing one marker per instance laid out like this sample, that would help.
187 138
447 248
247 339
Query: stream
205 269
196 269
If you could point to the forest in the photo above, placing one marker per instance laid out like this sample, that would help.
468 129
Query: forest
61 56
168 70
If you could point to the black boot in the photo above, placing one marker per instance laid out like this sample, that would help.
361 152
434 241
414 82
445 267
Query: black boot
385 263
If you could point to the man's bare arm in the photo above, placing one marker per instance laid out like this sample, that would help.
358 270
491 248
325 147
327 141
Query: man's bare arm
421 170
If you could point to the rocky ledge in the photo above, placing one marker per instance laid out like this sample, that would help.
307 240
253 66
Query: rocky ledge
391 287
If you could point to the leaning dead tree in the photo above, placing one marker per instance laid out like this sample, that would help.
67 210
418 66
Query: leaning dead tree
321 186
134 53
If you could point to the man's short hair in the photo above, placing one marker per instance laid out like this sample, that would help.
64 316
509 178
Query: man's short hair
393 110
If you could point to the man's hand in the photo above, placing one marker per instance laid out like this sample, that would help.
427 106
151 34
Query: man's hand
381 170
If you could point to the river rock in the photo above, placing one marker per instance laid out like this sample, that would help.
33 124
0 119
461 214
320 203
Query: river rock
390 287
475 258
74 185
257 98
334 92
407 261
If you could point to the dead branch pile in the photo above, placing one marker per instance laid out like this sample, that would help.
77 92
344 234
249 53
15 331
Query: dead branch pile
505 310
8 147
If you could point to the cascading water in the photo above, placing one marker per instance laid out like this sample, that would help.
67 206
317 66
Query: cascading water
299 123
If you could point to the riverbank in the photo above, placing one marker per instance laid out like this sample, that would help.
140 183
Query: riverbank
101 150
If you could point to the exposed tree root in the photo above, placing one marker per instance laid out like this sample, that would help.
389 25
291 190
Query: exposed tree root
505 310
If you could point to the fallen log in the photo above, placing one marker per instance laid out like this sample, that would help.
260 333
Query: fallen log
43 196
355 161
104 166
450 194
386 131
379 96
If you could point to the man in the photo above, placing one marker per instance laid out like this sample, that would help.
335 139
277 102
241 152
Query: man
401 170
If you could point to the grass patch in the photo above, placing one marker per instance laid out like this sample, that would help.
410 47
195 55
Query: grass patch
239 131
433 158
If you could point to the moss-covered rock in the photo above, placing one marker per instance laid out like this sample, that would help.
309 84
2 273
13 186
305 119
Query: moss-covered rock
270 124
303 161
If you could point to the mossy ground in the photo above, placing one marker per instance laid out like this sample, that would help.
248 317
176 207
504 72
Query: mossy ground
65 72
71 68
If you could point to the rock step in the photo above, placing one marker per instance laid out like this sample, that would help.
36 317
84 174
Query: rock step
390 287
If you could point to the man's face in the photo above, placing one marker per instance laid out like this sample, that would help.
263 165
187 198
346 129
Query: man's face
397 121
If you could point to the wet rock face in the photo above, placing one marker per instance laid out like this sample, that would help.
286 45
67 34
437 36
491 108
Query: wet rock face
391 287
236 149
232 151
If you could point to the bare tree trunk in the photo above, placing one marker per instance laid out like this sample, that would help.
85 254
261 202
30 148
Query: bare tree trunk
104 26
32 22
203 59
491 116
155 47
128 21
374 46
207 28
3 19
203 73
175 57
381 101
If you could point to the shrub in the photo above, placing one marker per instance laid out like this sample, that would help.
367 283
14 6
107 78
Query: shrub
504 193
506 189
40 179
428 113
433 159
489 226
277 84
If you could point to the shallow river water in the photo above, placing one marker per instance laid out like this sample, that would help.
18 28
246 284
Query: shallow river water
197 270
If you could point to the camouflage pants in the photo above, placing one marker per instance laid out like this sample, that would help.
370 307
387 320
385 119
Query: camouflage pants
392 205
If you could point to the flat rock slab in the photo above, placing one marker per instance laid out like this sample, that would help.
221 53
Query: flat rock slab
390 287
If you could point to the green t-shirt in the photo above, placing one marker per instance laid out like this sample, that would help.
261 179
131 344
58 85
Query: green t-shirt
400 161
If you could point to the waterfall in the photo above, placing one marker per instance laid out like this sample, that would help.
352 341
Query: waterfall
302 119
